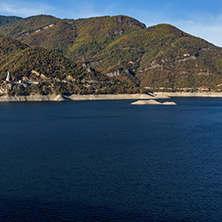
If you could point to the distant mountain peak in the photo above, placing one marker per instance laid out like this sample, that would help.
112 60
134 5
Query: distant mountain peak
128 21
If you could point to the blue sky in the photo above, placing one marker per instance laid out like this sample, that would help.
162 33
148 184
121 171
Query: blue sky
202 18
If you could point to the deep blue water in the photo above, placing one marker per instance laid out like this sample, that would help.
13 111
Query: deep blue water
111 161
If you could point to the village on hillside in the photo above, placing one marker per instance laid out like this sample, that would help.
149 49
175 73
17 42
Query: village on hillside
16 85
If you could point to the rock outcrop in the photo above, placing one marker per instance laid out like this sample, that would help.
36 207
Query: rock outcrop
32 98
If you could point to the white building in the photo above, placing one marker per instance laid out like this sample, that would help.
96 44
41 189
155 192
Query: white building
8 77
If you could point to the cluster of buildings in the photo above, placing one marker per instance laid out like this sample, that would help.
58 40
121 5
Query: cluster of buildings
9 84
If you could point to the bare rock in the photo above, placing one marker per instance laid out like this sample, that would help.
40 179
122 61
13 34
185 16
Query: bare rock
152 102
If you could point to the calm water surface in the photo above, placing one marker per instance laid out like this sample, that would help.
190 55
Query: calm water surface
111 161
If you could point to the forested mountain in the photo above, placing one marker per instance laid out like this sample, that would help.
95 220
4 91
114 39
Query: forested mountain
161 57
4 20
37 70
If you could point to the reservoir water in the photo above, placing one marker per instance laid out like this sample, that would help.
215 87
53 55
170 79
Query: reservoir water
111 161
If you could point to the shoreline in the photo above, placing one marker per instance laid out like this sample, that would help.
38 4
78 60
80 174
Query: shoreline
74 97
189 94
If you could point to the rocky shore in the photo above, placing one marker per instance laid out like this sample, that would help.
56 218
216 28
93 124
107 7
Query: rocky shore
115 97
31 98
188 94
60 98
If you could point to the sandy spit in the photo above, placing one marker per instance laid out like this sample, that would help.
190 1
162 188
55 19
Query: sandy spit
152 102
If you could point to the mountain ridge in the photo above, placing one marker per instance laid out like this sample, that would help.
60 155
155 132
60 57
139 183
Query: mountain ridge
4 20
157 57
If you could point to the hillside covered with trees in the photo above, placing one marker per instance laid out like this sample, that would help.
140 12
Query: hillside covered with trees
119 49
34 70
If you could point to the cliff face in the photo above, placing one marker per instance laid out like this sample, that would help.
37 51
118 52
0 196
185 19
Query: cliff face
161 57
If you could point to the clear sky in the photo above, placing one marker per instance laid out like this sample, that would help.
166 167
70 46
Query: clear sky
202 18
